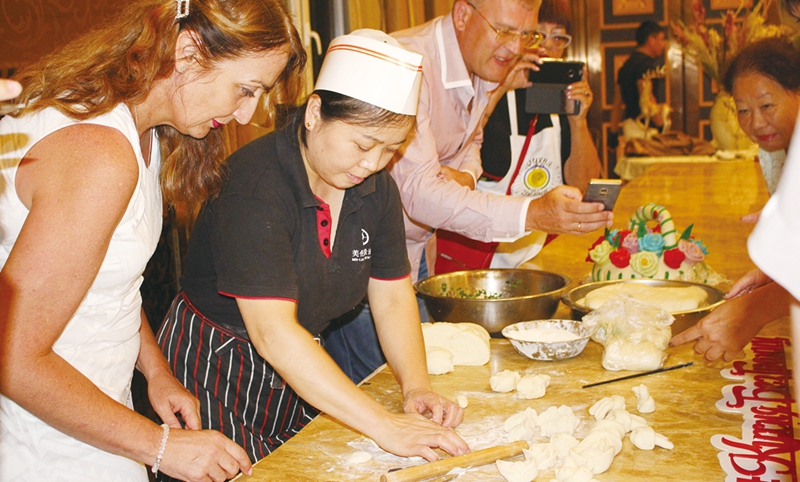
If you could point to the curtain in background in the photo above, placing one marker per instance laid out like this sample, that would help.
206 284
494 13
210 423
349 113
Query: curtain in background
392 15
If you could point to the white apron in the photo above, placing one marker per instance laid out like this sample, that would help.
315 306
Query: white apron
534 175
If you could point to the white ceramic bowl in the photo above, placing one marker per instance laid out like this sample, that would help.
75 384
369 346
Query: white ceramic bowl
541 350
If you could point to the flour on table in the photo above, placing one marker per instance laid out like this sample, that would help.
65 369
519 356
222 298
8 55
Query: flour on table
532 386
359 457
504 381
645 402
467 342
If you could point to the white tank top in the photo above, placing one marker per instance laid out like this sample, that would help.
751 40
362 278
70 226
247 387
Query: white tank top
102 338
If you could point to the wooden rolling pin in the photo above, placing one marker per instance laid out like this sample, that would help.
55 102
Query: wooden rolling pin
443 466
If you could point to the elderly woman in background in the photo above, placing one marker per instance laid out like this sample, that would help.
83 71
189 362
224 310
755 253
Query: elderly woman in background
307 223
763 79
108 122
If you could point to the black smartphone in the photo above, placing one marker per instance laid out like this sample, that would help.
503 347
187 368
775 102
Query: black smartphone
603 191
548 94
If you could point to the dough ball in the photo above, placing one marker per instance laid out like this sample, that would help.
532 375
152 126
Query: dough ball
645 402
468 342
522 425
462 401
440 361
603 407
557 420
545 455
504 381
522 471
532 386
359 457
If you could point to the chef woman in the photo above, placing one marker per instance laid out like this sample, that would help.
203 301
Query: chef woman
307 224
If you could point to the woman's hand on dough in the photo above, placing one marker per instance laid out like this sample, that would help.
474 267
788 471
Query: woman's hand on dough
411 434
434 407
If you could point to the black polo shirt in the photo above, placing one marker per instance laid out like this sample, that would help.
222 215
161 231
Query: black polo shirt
628 77
266 236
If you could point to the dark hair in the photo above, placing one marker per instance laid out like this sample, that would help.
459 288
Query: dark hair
120 61
340 107
557 12
772 57
647 29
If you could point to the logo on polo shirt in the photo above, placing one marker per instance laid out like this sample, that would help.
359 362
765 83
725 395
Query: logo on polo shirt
361 255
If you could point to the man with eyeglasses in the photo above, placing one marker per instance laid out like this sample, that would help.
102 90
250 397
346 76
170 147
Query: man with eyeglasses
467 53
560 149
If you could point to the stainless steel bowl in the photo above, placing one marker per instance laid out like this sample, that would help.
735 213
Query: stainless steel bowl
543 350
508 296
683 319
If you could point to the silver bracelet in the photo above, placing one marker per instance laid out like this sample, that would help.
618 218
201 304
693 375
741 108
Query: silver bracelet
162 448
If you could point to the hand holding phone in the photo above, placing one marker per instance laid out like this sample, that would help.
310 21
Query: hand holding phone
603 191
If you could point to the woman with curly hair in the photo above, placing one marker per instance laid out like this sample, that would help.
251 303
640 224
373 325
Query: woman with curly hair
110 122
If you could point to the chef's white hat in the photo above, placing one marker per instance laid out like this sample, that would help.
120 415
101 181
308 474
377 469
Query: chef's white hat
371 66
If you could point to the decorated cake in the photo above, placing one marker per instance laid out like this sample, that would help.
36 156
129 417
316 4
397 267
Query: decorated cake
651 247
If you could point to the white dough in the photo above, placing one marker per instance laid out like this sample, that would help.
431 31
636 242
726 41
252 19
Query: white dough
645 438
504 381
596 459
557 420
645 402
522 425
546 455
462 401
610 426
602 440
603 407
670 298
440 360
570 471
627 419
359 457
563 443
468 342
522 471
532 386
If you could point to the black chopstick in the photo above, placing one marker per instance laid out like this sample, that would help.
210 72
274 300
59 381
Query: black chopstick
665 369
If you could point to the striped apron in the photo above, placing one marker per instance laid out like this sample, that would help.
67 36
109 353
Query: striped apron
240 394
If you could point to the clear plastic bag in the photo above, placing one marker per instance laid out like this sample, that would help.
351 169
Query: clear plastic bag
635 334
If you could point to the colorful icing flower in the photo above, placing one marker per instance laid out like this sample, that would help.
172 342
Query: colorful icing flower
694 253
597 241
702 246
673 258
600 252
620 258
620 237
645 263
630 243
653 243
611 237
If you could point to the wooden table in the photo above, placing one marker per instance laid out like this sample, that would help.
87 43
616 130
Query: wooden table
714 197
628 168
